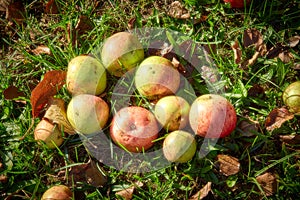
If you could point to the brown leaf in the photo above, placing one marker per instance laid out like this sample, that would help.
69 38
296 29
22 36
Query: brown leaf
252 37
275 51
228 165
290 139
48 87
202 193
268 182
83 25
51 7
128 192
248 128
277 117
237 52
261 50
296 66
294 41
177 10
16 12
3 178
285 56
12 92
4 4
131 23
42 49
256 90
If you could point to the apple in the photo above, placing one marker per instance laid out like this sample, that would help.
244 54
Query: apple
212 116
85 75
87 113
179 146
172 112
58 192
134 128
237 3
48 133
291 97
156 77
121 52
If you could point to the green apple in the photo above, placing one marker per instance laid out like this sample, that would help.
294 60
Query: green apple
212 116
172 112
87 113
121 52
179 146
291 97
156 77
85 75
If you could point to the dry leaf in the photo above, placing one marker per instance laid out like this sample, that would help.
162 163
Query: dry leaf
42 49
51 7
128 192
290 139
228 165
252 37
256 90
3 178
15 12
294 41
56 113
4 4
248 128
285 56
277 117
261 50
268 182
131 23
202 193
47 88
83 25
237 52
177 10
296 66
12 92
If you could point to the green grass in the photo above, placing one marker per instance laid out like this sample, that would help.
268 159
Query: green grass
32 168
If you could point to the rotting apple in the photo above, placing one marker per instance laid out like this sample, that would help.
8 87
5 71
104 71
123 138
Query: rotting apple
85 75
57 192
291 97
172 112
212 116
49 133
179 146
87 113
121 52
237 3
156 77
134 128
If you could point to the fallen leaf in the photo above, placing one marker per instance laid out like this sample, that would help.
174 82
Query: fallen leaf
47 88
261 50
237 52
277 117
294 41
275 51
15 12
131 23
42 49
285 56
252 37
177 10
256 90
83 25
248 128
290 139
127 193
51 7
202 193
4 4
228 165
296 66
268 182
12 92
3 178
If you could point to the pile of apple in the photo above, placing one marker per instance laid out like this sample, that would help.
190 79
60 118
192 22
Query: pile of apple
135 128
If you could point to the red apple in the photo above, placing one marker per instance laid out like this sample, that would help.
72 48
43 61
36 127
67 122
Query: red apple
87 113
179 146
85 75
134 128
212 116
237 3
48 133
58 192
172 112
156 77
121 52
291 97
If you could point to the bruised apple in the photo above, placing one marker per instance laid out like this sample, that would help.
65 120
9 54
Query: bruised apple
85 75
172 112
58 192
156 77
179 146
87 113
237 3
49 133
121 52
212 116
134 128
291 97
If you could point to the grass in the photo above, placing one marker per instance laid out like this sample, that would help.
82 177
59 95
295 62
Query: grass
31 168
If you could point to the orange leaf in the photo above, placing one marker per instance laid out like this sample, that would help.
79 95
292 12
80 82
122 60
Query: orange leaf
12 92
48 87
277 117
